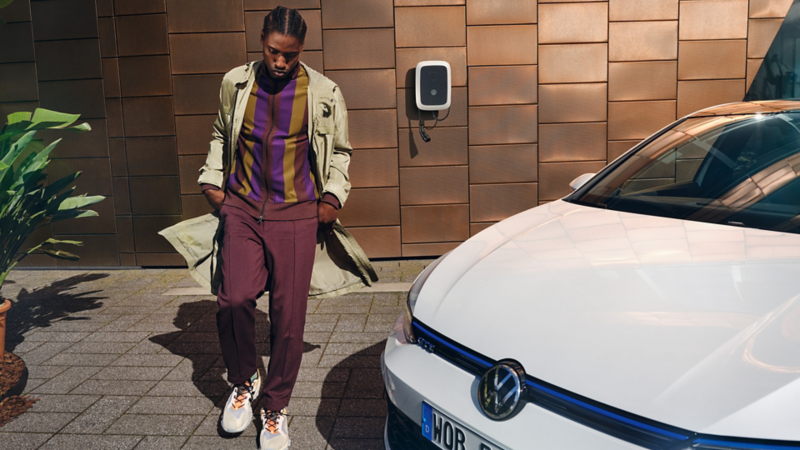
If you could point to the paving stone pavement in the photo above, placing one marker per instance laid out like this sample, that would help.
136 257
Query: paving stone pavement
116 364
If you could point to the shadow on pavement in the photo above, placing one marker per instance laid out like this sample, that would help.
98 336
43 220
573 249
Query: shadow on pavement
41 307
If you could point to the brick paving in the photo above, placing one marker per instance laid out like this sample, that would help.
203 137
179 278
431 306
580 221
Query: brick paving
116 364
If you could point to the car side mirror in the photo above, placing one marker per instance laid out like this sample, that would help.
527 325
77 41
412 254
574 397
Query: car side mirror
580 181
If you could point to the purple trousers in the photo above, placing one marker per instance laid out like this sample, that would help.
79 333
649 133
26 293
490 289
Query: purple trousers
274 256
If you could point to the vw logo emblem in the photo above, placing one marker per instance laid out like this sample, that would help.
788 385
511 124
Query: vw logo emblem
501 389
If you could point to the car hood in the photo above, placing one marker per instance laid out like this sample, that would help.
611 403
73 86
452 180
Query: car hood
691 324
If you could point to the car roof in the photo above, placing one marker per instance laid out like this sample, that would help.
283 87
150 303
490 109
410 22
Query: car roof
760 106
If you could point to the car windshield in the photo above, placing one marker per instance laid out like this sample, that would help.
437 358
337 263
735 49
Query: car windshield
741 170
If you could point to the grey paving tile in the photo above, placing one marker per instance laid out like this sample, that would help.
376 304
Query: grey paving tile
91 442
192 369
364 384
358 337
70 325
318 390
20 348
361 407
350 361
322 318
317 338
359 427
100 347
31 385
56 336
63 403
117 336
299 406
342 309
189 388
67 380
210 427
44 352
351 323
323 374
113 387
218 443
46 372
132 373
146 347
81 359
145 360
349 349
161 405
310 432
161 443
32 422
23 441
100 415
319 327
153 327
395 310
356 444
155 425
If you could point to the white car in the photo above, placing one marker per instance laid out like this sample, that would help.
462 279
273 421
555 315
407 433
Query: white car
657 306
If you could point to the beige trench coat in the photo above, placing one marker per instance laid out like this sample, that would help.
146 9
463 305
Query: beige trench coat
340 266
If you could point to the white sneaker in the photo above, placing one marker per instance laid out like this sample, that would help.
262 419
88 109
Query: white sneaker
275 431
238 411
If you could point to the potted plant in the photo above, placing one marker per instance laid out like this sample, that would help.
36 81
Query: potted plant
27 201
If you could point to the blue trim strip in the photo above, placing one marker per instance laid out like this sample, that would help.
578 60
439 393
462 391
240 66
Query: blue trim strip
453 347
607 413
729 444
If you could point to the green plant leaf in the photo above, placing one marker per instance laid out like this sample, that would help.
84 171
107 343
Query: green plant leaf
18 117
73 214
4 3
61 254
57 186
17 148
45 118
59 241
80 201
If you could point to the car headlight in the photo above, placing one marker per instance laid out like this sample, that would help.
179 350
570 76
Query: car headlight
413 294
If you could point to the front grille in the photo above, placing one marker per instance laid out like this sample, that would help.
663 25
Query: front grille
403 433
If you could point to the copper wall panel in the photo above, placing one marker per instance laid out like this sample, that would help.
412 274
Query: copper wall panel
407 59
752 68
194 134
263 5
695 95
114 115
441 223
769 8
8 108
58 19
573 63
125 7
68 60
554 178
366 89
642 41
482 45
500 12
99 250
493 202
378 242
503 124
420 250
357 13
127 260
84 97
408 115
105 8
254 23
708 60
93 144
151 116
503 85
206 52
427 2
627 10
96 179
189 172
475 228
108 37
152 156
197 94
655 80
572 103
638 120
145 260
143 76
448 147
142 35
566 23
434 185
18 82
119 161
17 39
371 207
111 87
503 164
762 33
572 142
36 238
373 128
195 206
20 11
430 26
339 46
155 195
125 234
719 19
186 16
374 168
311 59
145 232
617 148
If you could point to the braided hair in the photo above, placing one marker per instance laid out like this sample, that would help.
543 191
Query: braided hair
285 21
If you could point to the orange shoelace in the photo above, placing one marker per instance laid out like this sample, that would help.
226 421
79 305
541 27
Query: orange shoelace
271 423
244 393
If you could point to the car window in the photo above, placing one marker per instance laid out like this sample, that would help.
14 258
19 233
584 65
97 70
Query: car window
739 170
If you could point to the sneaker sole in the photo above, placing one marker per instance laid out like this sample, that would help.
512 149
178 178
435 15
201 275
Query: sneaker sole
257 392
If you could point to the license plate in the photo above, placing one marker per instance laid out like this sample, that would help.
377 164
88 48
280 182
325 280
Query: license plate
448 434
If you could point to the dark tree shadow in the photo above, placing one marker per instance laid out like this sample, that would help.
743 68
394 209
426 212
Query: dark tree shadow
198 342
359 420
41 307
